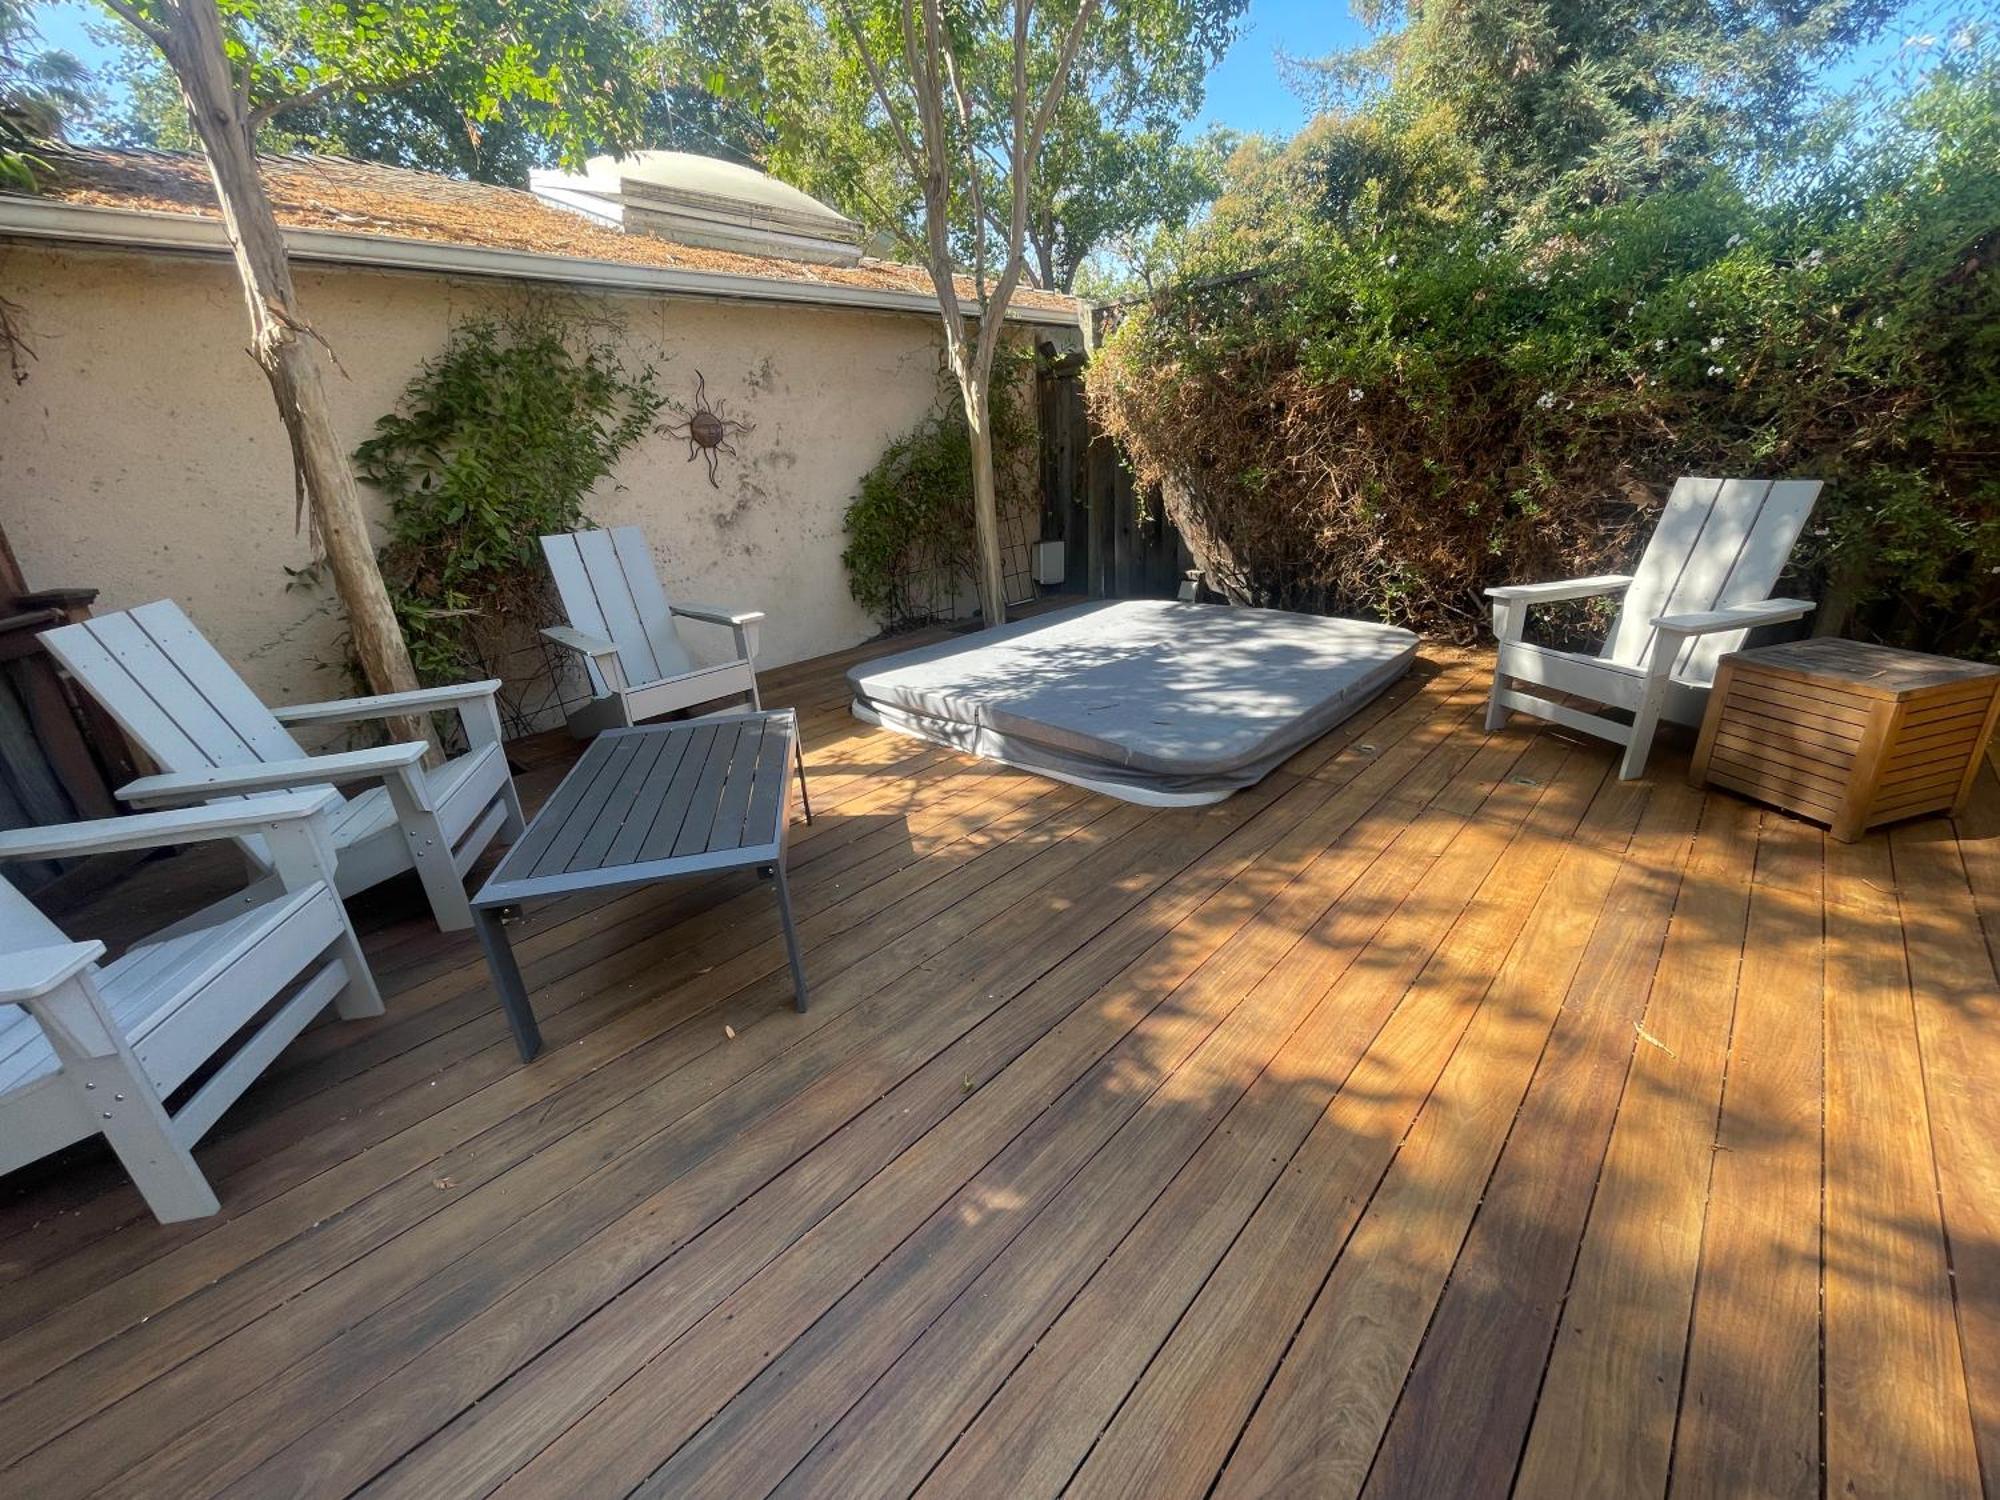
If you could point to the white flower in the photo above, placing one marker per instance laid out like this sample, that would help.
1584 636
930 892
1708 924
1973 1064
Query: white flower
1546 400
1715 343
1881 320
1354 394
1659 346
1690 304
1715 369
1821 530
1733 242
1390 261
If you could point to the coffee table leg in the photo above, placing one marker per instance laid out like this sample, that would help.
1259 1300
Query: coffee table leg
799 755
791 934
507 980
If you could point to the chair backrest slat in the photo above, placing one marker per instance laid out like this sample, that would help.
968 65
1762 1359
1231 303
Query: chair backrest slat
1753 575
170 690
22 926
610 587
642 576
1718 542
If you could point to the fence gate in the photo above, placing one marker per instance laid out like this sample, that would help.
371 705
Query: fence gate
1090 503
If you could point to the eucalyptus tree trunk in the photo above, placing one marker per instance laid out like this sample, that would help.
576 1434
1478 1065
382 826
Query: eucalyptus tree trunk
284 345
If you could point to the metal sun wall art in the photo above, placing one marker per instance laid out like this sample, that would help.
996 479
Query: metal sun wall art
707 429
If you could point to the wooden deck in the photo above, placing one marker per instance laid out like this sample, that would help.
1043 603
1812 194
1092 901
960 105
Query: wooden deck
1441 1117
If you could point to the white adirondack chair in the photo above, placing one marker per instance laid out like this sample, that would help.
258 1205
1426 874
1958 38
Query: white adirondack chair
214 738
1701 586
622 626
89 1048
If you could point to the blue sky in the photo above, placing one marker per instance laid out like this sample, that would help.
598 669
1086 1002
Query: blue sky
1246 91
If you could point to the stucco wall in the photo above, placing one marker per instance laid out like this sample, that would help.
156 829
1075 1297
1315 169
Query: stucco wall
142 456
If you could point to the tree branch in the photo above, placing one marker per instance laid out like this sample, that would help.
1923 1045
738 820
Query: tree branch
972 176
266 112
156 34
880 83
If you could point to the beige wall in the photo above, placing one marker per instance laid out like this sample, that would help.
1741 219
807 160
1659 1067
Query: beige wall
142 456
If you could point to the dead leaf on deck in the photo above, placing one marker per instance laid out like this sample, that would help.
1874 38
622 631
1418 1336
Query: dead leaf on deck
730 1032
441 1183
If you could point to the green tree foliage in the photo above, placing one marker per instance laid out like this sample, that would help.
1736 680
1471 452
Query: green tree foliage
779 81
496 442
1427 379
458 118
768 82
1558 103
39 86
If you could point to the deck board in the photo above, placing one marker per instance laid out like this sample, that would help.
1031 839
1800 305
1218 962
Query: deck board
1441 1116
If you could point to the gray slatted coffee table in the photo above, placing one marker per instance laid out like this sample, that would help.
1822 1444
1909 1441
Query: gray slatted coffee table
648 804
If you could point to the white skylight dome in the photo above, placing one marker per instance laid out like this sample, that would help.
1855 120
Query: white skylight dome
703 200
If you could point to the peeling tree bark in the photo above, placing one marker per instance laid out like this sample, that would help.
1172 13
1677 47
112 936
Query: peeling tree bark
189 33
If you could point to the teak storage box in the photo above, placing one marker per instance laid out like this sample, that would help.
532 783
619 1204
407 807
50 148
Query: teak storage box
1847 734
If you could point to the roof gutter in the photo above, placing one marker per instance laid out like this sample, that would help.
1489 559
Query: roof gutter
24 218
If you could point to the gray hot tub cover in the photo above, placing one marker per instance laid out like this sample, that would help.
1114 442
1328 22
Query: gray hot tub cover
1148 699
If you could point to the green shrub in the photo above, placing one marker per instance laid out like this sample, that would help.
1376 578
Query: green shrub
497 441
1387 412
910 548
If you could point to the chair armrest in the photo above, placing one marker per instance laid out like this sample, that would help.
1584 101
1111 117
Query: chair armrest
181 825
714 615
1569 588
387 705
33 972
313 770
581 642
1737 617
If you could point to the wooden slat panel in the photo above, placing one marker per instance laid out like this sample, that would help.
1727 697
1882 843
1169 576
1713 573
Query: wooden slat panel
1950 717
1605 1421
1749 749
1956 992
1897 1419
1749 1421
1784 781
1839 741
1463 1416
890 1441
1788 702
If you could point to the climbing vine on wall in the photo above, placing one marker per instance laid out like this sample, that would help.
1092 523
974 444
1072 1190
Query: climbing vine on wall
498 440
